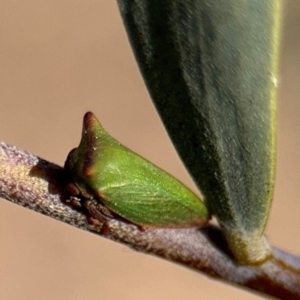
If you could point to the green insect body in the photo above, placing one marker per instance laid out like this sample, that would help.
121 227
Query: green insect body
128 184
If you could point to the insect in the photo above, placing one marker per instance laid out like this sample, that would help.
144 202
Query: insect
104 170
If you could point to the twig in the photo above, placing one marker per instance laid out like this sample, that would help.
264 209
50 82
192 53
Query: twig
39 185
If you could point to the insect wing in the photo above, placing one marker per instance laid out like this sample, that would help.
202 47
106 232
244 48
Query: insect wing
141 192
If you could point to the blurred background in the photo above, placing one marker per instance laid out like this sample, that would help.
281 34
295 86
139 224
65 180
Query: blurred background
60 58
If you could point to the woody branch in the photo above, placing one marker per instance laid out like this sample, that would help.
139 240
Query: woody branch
39 185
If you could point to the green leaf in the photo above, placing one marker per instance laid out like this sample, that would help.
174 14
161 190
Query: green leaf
211 69
128 184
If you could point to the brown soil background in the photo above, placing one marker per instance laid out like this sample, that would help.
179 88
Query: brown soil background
59 59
